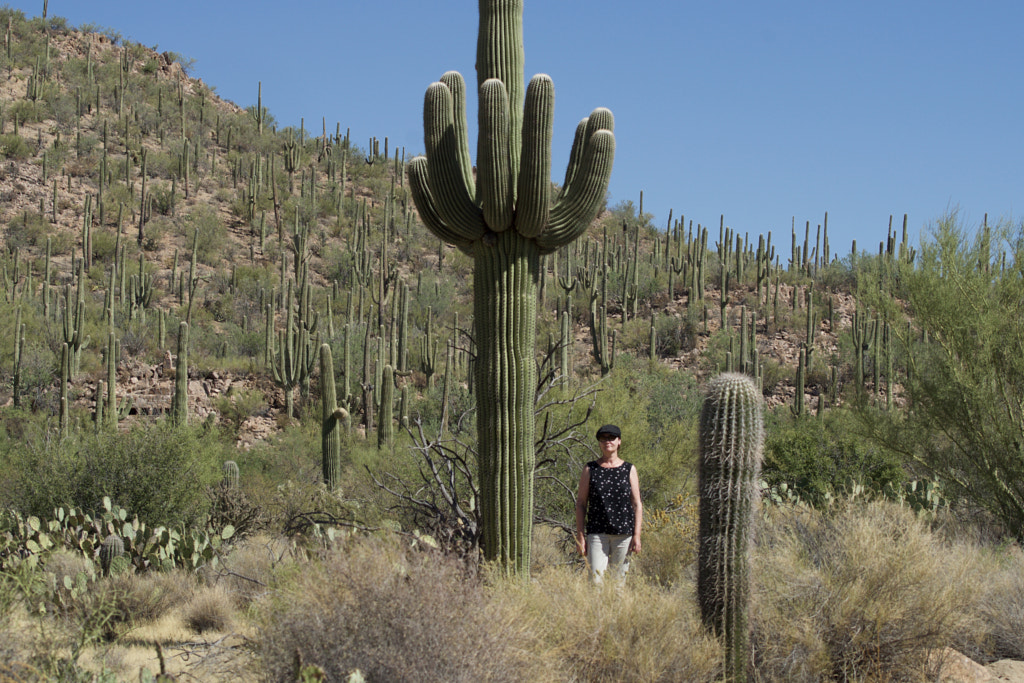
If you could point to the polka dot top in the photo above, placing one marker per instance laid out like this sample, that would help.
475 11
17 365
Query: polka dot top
609 510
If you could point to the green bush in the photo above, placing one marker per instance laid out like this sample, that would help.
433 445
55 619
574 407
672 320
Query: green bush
27 229
212 235
14 147
155 471
819 456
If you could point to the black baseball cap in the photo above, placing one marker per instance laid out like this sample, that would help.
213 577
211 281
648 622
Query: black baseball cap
611 430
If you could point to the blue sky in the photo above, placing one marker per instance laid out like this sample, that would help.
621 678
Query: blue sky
764 112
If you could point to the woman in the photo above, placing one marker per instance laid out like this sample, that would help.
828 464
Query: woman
609 502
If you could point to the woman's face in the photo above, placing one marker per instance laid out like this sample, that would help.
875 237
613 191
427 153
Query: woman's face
609 444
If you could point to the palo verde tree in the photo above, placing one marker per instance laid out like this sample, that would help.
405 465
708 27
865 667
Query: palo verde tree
964 355
506 219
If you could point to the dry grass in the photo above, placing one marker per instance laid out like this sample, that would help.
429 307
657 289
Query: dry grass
862 593
999 609
249 570
598 633
669 550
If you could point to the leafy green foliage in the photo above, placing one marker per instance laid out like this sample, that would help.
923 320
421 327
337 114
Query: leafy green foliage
156 471
966 367
817 457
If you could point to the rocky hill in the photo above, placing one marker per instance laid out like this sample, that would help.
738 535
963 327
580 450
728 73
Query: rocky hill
112 153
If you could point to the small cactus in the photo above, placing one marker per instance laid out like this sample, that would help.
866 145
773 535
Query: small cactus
231 475
335 420
111 549
731 446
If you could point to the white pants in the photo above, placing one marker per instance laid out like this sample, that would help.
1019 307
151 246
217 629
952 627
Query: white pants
604 550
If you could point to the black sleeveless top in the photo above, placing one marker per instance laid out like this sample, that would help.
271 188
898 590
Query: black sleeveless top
609 510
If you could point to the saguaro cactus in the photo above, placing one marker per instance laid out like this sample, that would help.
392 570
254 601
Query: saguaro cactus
505 219
731 445
230 474
335 419
179 402
111 549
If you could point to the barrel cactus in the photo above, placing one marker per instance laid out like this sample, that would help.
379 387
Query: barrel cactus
731 446
231 475
506 218
110 550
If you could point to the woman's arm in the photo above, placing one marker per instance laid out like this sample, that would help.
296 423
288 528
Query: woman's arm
638 509
581 511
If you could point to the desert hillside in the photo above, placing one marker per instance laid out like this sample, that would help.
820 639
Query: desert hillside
238 390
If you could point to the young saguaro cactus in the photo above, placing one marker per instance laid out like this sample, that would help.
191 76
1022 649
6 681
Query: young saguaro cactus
335 420
731 446
111 549
230 475
179 402
505 219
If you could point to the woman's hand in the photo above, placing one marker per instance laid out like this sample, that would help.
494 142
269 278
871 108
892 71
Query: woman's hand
581 545
634 544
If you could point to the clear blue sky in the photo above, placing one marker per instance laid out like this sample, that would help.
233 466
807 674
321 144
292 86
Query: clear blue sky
763 112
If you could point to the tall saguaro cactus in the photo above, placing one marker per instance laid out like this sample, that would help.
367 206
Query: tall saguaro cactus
731 446
179 401
506 218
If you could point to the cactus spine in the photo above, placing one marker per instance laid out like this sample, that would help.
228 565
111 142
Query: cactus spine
731 444
505 220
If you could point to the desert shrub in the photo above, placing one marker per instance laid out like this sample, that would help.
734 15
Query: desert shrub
163 199
140 598
232 506
14 147
967 383
818 456
27 229
1000 607
38 368
394 614
634 337
212 235
210 609
103 243
248 571
157 228
864 592
774 373
154 471
676 335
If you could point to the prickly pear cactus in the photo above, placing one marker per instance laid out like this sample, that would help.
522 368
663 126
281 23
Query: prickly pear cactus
506 218
731 446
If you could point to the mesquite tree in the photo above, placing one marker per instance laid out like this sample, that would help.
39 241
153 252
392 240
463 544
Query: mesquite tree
506 218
